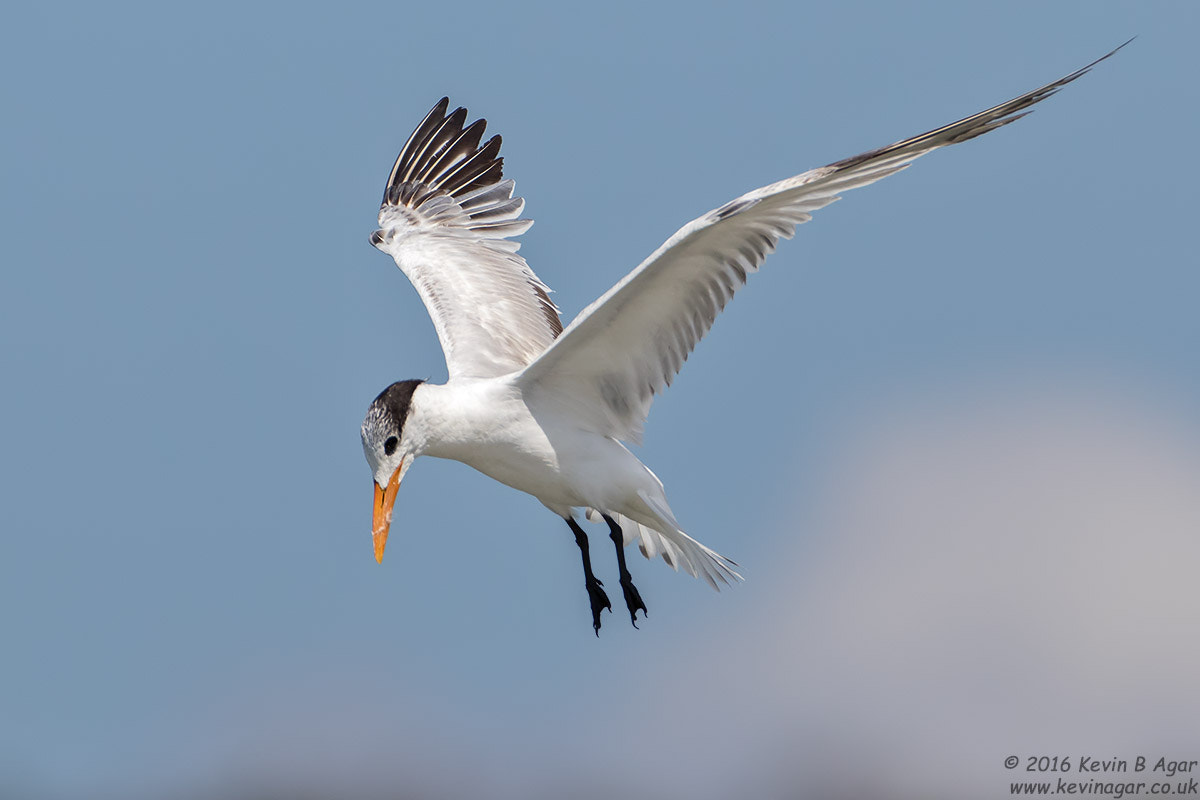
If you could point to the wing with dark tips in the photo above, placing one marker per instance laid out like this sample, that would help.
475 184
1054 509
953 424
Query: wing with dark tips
629 344
446 219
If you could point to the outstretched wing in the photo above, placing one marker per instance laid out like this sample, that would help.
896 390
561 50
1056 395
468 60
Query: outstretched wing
628 345
446 218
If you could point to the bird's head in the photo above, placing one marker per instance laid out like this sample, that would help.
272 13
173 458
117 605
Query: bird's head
388 451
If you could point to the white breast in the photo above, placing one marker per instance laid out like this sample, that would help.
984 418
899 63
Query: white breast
487 425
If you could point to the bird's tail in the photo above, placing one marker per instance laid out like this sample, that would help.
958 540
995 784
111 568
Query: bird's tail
676 547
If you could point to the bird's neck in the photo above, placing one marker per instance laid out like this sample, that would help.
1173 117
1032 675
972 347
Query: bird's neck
445 420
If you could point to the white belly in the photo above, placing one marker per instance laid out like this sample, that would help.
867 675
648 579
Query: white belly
485 426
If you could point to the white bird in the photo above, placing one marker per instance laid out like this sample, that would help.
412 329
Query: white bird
545 409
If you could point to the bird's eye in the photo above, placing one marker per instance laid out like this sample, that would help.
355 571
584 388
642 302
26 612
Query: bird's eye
389 445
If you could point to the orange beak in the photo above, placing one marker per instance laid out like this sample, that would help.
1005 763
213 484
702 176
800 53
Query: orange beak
384 500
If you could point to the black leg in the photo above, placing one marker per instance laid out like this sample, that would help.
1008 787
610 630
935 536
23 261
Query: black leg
633 600
596 595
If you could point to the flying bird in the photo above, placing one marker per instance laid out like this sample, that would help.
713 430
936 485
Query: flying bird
547 409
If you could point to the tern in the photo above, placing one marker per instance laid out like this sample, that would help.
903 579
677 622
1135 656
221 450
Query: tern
547 409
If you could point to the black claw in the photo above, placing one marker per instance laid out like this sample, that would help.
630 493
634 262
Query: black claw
633 600
599 601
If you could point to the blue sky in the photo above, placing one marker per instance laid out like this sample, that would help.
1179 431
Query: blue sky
951 431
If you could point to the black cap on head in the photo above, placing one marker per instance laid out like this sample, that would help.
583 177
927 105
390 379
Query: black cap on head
391 407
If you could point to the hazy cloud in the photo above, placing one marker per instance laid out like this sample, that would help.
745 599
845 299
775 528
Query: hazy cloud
993 574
